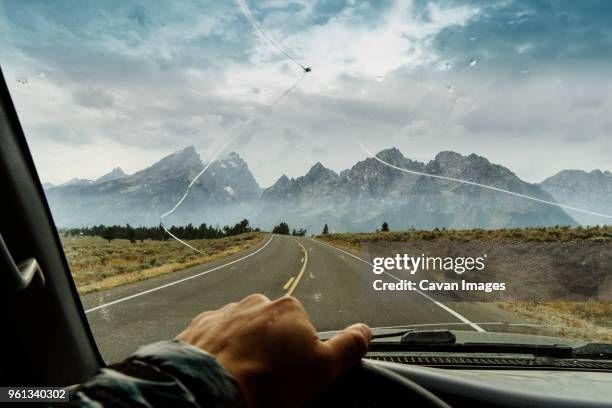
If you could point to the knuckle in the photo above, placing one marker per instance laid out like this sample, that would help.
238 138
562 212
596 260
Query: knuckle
255 298
289 301
229 306
227 309
199 317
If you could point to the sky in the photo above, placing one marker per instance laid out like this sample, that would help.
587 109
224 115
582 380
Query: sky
121 83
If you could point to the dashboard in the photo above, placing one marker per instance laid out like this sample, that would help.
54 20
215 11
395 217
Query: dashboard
511 387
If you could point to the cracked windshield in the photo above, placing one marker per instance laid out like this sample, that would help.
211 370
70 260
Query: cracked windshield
423 165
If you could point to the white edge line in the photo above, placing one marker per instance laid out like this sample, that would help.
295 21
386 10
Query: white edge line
177 281
439 304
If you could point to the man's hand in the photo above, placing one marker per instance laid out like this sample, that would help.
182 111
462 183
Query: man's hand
272 350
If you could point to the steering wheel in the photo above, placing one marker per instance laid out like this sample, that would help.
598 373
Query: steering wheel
369 384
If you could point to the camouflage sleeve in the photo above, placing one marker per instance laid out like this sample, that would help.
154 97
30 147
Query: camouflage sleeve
167 373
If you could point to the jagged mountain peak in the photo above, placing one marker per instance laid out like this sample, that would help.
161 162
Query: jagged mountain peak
391 155
114 174
372 168
232 174
76 182
574 175
448 156
318 172
598 172
188 152
186 159
589 190
471 167
232 159
317 166
282 180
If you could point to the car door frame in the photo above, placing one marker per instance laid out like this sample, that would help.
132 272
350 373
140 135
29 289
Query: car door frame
46 340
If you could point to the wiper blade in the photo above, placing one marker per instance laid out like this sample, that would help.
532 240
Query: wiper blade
429 337
448 341
593 350
398 333
420 336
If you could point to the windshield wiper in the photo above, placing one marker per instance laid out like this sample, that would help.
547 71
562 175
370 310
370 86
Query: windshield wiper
429 337
446 340
594 350
420 336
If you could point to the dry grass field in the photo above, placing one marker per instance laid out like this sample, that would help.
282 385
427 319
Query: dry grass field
588 320
581 320
510 235
97 264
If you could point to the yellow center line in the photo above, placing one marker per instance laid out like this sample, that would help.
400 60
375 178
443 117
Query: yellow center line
288 282
299 276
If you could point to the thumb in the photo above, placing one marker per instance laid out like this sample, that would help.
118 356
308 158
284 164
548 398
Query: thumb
348 347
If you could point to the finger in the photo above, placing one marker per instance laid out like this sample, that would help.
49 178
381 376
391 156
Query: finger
348 347
222 311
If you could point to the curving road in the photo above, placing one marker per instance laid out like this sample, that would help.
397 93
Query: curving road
335 287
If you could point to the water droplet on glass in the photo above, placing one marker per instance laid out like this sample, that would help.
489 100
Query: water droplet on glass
22 80
379 78
524 71
42 75
474 38
473 62
450 88
448 65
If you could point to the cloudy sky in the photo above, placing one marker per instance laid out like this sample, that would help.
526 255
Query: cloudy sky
98 85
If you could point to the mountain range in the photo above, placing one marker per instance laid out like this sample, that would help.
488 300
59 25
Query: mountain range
581 189
357 199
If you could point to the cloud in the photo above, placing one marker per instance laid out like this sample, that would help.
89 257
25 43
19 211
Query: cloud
136 81
556 32
93 97
349 44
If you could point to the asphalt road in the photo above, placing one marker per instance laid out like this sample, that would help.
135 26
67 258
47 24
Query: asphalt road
335 287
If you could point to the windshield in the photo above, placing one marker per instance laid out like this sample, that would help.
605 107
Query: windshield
424 164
